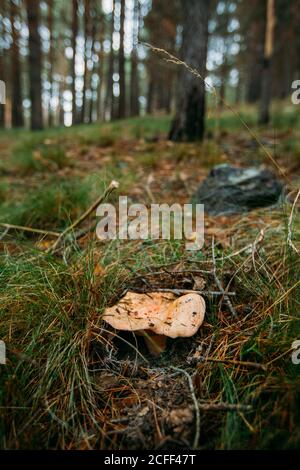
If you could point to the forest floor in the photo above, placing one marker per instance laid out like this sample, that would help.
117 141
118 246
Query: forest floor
67 384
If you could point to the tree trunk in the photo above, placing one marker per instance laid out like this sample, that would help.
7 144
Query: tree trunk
254 34
93 30
35 64
61 112
122 83
74 44
101 57
190 107
85 74
134 86
2 61
2 116
238 90
223 76
266 92
151 89
51 60
134 79
17 108
109 90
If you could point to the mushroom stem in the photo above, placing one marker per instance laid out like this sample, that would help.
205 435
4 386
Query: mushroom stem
156 344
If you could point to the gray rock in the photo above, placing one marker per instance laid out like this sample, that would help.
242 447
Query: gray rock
232 190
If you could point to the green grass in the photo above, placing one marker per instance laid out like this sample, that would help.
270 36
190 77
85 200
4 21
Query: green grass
36 154
47 309
48 207
284 116
54 205
3 192
46 151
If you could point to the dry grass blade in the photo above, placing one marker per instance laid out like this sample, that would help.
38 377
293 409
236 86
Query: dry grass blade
290 222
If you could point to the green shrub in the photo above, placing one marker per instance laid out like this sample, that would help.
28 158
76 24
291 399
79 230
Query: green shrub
3 192
52 206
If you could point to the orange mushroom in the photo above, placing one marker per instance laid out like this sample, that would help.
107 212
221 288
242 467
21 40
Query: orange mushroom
157 316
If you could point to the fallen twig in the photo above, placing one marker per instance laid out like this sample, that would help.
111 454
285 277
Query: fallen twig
29 229
196 404
219 284
224 407
173 273
236 253
113 185
180 291
3 235
238 363
290 222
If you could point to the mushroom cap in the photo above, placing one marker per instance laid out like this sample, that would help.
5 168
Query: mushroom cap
164 314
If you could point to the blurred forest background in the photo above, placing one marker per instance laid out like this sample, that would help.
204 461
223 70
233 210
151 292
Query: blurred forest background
82 61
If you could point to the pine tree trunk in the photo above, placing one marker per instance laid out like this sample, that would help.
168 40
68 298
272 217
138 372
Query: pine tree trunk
17 107
108 106
122 83
266 91
74 38
93 28
61 113
2 68
134 79
51 60
2 115
101 57
134 86
85 74
238 91
151 89
223 77
255 55
190 107
35 64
